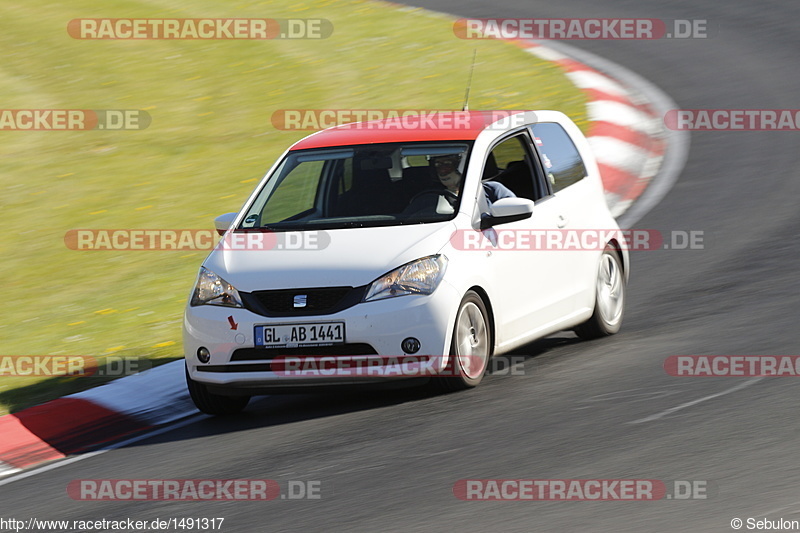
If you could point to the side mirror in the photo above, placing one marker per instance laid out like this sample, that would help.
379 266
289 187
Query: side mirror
507 210
223 222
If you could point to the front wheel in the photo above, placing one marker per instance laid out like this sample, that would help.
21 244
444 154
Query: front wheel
609 305
470 348
214 404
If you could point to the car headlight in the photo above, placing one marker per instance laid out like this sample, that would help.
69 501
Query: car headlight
211 289
417 277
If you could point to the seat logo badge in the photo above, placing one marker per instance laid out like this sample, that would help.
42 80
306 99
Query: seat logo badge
300 300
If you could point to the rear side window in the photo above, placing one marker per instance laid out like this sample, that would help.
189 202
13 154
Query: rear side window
562 163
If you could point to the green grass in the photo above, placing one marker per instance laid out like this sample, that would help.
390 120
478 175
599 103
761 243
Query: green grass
210 140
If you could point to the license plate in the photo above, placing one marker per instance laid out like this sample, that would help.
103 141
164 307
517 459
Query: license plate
289 335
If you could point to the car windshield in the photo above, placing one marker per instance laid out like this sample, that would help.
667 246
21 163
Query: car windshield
361 186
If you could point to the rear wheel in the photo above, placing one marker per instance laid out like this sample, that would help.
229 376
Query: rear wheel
609 306
214 404
471 346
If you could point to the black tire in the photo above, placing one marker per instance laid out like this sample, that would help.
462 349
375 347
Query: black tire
214 404
609 306
470 348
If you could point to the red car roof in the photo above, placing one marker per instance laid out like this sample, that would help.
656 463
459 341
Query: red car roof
435 126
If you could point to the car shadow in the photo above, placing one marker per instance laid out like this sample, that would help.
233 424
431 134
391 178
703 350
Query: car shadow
285 409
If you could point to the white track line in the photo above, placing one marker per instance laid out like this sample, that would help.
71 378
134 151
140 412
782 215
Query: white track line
617 207
779 509
677 408
589 79
7 470
546 53
156 396
621 115
617 153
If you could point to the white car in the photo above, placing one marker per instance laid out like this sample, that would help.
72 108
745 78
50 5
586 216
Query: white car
426 247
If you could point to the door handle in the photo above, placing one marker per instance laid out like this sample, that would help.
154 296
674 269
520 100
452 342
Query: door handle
562 221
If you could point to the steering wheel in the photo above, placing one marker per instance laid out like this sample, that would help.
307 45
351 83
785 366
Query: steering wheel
446 192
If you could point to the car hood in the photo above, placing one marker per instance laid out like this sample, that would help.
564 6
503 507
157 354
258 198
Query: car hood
343 257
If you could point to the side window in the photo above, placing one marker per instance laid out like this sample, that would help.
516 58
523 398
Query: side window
295 194
562 163
509 163
508 151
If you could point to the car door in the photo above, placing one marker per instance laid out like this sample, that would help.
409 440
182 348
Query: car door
529 279
577 205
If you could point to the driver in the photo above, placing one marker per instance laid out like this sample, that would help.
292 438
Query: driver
446 167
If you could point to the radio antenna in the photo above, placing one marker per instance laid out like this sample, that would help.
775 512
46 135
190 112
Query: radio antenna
469 83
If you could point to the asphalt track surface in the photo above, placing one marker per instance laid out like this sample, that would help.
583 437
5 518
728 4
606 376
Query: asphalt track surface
583 410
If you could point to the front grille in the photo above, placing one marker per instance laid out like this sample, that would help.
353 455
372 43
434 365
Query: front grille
319 301
265 354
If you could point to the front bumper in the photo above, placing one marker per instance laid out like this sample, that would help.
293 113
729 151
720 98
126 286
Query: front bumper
382 325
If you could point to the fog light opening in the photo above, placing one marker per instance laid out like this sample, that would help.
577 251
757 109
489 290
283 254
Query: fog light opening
203 355
410 345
